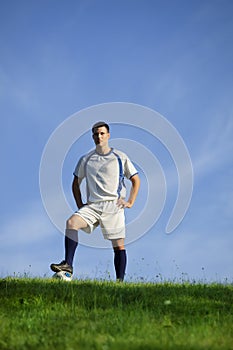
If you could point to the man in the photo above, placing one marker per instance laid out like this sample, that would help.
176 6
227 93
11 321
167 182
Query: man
104 169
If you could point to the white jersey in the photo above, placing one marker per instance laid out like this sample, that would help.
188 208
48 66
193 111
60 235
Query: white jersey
104 174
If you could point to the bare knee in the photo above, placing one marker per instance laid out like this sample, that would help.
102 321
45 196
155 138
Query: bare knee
118 244
70 224
75 222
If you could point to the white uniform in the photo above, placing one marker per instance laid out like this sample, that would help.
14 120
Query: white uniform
104 176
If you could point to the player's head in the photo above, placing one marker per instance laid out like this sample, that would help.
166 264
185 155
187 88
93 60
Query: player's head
100 133
98 125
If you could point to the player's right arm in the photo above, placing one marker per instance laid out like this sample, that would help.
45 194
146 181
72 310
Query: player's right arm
76 192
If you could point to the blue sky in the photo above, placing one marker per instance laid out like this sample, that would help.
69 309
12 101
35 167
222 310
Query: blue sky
175 57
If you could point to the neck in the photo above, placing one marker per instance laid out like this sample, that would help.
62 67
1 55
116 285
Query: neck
103 149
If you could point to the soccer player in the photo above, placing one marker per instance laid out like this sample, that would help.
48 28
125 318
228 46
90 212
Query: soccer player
104 169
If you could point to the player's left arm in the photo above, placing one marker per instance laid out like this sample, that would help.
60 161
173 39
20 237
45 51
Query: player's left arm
135 184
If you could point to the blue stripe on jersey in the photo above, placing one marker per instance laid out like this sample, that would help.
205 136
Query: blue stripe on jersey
121 175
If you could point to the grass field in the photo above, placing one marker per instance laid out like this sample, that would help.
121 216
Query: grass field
50 314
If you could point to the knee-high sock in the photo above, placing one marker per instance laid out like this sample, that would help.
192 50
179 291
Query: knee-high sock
120 261
71 243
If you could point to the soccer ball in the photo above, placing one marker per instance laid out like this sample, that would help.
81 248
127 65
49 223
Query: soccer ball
63 275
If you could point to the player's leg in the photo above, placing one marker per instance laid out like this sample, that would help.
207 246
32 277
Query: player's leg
112 223
120 258
73 224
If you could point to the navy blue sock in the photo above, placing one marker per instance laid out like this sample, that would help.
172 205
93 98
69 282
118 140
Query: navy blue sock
120 261
71 243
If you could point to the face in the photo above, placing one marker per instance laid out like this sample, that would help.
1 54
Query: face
101 136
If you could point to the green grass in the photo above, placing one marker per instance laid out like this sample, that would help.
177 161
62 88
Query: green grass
50 314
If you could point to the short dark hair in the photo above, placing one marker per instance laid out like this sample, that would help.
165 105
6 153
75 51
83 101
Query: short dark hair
98 125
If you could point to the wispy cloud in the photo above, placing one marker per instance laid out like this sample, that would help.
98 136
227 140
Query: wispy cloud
217 148
31 226
188 253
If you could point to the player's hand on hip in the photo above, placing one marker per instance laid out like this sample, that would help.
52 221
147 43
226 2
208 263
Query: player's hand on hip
121 203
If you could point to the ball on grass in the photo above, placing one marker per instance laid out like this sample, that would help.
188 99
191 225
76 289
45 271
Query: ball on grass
63 275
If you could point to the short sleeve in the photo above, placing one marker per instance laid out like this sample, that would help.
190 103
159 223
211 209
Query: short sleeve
129 168
79 169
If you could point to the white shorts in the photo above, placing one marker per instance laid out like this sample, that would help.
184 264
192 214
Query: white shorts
105 214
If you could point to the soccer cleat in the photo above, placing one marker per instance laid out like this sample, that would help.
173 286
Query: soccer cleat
63 266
